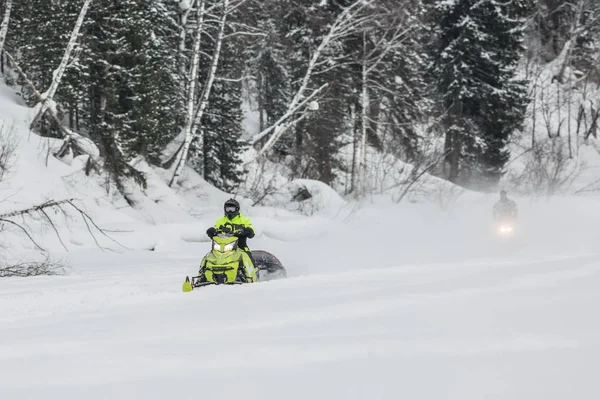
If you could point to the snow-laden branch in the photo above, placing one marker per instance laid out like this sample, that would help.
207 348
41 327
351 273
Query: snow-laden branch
346 23
384 48
4 26
279 127
60 71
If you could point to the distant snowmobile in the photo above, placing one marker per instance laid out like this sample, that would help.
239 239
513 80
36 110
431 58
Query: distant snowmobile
505 215
228 264
505 227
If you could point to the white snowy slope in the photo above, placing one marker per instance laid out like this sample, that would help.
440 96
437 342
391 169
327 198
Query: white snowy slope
383 301
387 302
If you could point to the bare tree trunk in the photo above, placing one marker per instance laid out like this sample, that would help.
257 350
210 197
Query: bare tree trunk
195 120
59 72
355 136
569 118
452 150
191 91
558 108
4 26
365 106
183 35
534 114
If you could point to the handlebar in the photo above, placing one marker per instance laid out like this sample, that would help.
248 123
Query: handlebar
228 231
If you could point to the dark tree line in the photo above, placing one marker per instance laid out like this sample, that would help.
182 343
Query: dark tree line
402 70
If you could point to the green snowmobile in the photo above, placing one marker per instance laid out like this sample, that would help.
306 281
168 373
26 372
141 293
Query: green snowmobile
225 264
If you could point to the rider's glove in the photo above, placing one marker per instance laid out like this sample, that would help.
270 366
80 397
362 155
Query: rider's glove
211 232
248 232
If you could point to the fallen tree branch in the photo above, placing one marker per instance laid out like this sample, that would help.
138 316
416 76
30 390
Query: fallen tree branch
25 231
102 231
41 210
48 267
50 203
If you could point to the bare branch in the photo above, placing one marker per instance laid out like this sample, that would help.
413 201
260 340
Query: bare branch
102 231
45 214
346 23
48 267
24 230
34 209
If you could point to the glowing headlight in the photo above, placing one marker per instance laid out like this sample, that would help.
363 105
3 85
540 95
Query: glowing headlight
228 247
506 229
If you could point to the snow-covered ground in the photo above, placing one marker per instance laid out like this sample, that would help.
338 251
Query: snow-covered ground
383 301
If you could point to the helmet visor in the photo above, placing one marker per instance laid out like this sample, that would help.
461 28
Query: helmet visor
231 209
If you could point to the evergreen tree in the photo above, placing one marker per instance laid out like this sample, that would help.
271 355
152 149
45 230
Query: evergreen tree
41 40
218 156
222 146
134 106
156 109
476 49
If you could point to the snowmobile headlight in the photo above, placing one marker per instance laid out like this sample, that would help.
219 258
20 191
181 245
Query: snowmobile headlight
506 229
229 247
226 248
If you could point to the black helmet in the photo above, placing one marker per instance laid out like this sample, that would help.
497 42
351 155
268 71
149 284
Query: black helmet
231 208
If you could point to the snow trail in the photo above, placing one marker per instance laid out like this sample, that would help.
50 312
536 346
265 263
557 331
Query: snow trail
119 327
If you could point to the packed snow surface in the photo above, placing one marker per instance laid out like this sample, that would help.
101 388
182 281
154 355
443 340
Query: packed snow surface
383 302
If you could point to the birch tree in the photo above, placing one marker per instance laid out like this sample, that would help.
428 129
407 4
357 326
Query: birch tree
4 26
186 8
348 22
378 45
195 112
59 72
72 139
574 31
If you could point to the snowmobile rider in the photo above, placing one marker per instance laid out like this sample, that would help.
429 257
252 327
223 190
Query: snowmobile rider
234 220
505 207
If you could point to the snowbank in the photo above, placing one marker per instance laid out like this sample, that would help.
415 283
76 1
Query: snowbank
156 218
308 197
